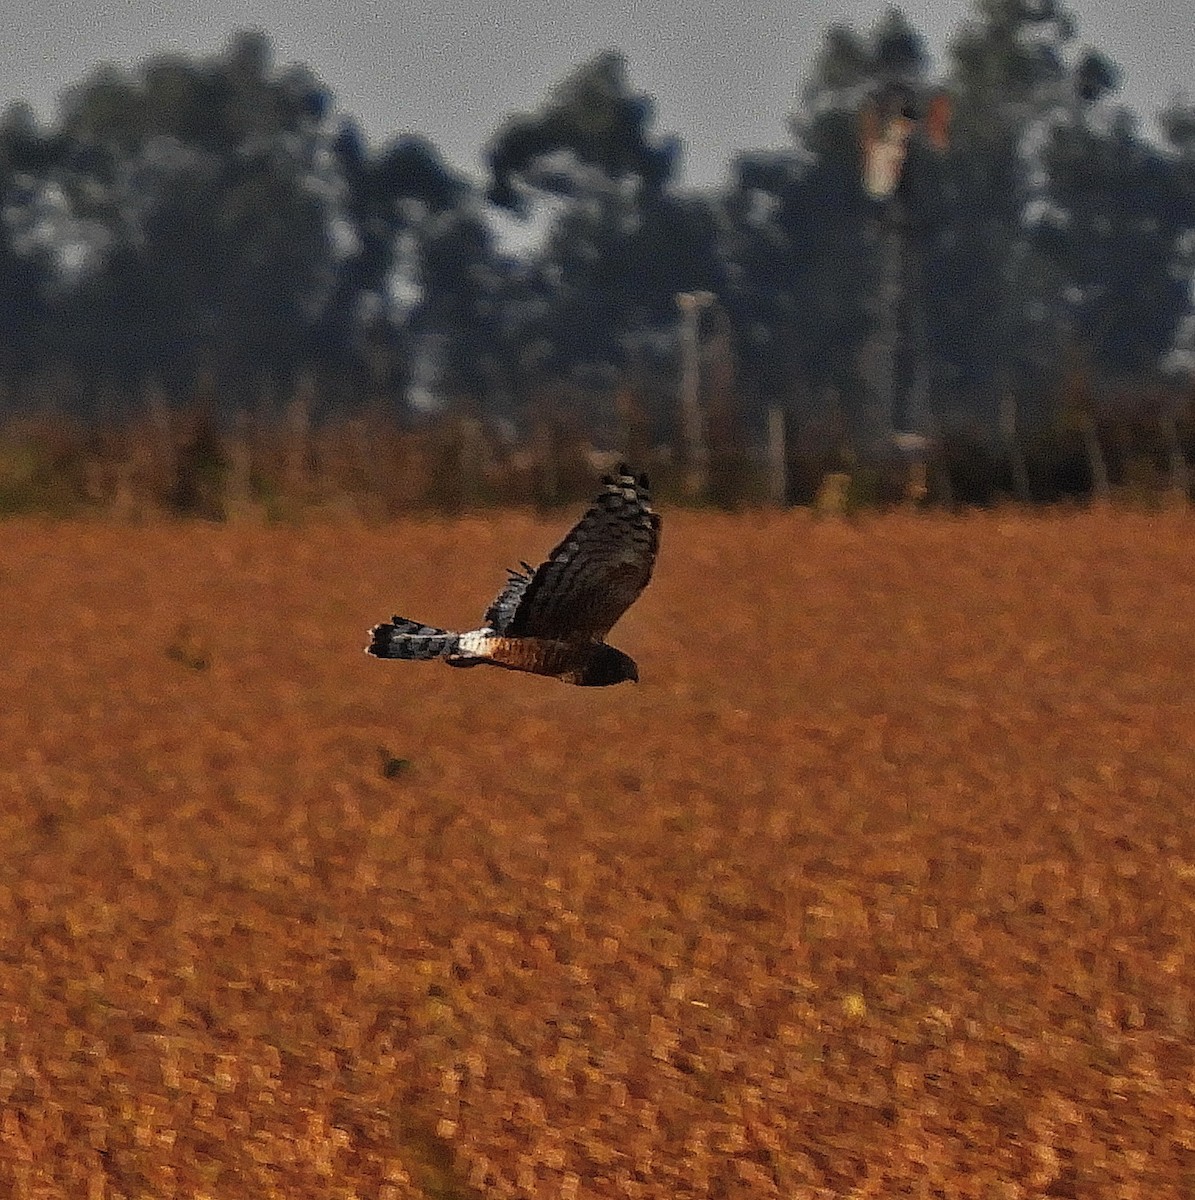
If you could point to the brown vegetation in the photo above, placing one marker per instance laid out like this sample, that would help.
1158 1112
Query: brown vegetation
372 467
881 883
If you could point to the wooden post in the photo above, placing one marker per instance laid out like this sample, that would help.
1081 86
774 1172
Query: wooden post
160 455
1100 490
125 508
1180 475
298 438
470 459
545 455
633 436
1012 447
692 421
238 499
833 495
777 457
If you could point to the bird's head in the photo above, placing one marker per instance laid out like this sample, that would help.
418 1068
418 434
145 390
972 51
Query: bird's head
606 666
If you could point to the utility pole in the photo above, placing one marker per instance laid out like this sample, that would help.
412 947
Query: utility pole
890 123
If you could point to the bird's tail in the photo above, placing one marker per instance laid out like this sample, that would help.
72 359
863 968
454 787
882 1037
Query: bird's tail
408 639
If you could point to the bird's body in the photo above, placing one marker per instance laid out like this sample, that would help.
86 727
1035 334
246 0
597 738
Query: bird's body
553 619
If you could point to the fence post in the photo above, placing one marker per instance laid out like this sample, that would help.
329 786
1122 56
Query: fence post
470 459
298 438
1012 447
777 457
692 422
1180 476
1100 489
238 500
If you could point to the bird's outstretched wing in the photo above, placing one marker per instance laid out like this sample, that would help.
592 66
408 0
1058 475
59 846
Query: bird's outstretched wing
593 576
498 615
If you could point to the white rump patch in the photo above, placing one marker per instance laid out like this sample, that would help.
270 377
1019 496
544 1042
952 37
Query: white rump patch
476 642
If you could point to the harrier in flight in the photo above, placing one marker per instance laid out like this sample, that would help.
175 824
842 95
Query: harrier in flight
553 619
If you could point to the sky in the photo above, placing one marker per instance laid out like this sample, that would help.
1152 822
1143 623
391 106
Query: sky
724 73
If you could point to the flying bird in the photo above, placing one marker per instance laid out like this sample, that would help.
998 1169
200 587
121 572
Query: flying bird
553 619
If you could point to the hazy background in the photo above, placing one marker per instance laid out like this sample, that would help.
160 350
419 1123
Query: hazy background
438 255
724 74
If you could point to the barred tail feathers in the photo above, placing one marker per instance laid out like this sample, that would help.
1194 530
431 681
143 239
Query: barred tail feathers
411 640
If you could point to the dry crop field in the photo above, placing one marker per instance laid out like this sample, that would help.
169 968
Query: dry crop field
879 884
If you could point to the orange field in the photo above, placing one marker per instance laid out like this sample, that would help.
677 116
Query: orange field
881 883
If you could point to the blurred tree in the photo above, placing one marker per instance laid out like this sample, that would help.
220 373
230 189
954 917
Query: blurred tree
202 201
801 241
1117 229
456 321
202 217
591 118
392 200
988 290
596 301
26 268
1177 123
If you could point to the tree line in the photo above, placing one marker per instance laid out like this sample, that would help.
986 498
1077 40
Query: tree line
213 231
